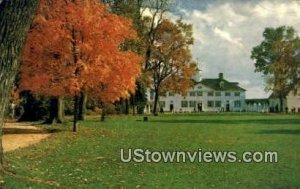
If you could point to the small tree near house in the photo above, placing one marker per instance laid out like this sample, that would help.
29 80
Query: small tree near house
171 64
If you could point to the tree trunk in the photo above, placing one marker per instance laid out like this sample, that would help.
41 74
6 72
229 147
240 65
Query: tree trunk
15 19
133 109
53 110
82 106
281 103
75 118
103 113
56 112
126 106
132 98
155 105
61 110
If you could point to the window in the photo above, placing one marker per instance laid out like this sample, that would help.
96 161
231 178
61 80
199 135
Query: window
218 93
171 94
218 104
162 104
210 103
237 104
237 94
210 93
193 93
193 104
227 94
184 104
199 93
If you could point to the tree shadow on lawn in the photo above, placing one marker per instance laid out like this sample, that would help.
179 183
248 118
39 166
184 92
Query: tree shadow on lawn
280 131
28 131
226 121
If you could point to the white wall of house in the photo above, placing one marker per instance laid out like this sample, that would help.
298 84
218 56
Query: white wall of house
202 98
293 102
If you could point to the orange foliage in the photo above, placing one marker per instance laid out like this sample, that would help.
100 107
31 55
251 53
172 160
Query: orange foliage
180 83
171 62
74 46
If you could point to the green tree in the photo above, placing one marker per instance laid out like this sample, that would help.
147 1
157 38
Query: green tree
146 26
132 9
277 57
15 19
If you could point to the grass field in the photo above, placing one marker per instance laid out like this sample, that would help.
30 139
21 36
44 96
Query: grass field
90 158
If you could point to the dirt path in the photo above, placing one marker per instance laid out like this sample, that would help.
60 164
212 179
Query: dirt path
20 135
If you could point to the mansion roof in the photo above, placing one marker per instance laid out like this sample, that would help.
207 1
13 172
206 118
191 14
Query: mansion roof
221 84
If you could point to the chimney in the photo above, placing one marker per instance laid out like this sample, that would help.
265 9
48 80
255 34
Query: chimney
220 75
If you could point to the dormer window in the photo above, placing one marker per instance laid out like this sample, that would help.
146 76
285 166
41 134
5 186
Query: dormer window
218 93
199 93
221 84
193 93
210 93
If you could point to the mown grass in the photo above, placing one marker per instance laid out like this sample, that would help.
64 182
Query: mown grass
90 158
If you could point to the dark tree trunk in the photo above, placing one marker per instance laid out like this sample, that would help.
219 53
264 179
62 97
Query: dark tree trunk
56 110
126 106
155 105
53 110
132 99
147 58
75 117
140 97
281 103
15 19
133 109
82 106
103 112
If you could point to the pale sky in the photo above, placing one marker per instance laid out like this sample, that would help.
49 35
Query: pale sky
225 32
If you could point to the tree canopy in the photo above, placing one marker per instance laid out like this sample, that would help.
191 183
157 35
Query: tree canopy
278 58
74 46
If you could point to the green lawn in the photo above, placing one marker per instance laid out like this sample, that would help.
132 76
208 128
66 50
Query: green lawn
90 158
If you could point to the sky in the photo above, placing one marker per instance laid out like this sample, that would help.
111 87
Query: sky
225 32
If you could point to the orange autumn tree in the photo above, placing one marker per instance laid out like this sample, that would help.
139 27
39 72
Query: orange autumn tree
74 47
171 64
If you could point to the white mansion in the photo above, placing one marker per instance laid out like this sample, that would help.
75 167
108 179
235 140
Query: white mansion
209 95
